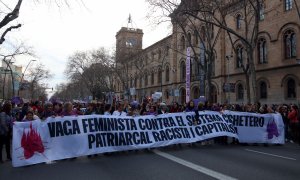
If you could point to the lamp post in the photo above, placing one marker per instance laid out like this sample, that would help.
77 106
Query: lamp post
227 85
23 74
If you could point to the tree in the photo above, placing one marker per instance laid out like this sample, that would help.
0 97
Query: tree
8 57
36 76
93 68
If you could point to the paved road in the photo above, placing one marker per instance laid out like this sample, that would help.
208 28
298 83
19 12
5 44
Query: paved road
201 162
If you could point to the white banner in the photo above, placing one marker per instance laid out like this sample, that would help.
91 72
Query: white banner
257 128
70 136
59 138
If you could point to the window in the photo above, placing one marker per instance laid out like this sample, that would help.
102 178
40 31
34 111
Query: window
167 73
288 5
290 44
146 79
291 88
213 69
262 51
203 34
146 59
196 37
159 75
211 27
141 81
131 82
238 21
159 54
239 57
135 82
182 71
152 77
189 38
263 90
240 92
182 41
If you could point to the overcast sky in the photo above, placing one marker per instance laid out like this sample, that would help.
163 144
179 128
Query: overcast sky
55 33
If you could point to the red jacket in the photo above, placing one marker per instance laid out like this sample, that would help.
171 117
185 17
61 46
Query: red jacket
293 116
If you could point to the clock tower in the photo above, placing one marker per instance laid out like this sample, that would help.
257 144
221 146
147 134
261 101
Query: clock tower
129 42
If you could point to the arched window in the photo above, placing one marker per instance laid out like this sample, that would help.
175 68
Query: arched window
203 34
167 73
213 68
288 5
182 43
239 57
262 51
263 90
196 93
152 77
182 96
159 54
131 82
240 92
146 79
196 34
238 21
141 81
167 94
290 44
182 71
189 38
291 88
135 82
159 75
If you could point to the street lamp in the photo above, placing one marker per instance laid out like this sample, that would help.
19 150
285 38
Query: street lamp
23 74
227 85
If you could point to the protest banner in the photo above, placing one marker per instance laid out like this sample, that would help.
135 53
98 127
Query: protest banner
72 136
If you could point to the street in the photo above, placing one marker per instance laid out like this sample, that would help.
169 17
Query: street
200 162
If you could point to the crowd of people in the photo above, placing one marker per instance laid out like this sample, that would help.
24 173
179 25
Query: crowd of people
23 112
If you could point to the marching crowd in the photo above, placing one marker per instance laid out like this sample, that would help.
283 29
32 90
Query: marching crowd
22 112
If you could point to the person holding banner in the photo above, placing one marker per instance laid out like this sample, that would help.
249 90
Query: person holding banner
190 107
48 111
68 110
107 109
5 130
152 110
120 110
30 116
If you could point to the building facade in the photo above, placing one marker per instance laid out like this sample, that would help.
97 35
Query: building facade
161 67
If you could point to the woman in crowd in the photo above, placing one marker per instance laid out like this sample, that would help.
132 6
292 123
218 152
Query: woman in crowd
90 109
294 123
68 110
175 108
190 107
5 130
57 108
29 116
119 110
107 109
48 111
152 110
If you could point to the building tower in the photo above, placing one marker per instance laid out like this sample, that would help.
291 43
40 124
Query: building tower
129 41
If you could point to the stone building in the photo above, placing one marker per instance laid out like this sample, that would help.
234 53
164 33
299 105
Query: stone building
161 67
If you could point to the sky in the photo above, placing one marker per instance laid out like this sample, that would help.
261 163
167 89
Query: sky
56 31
